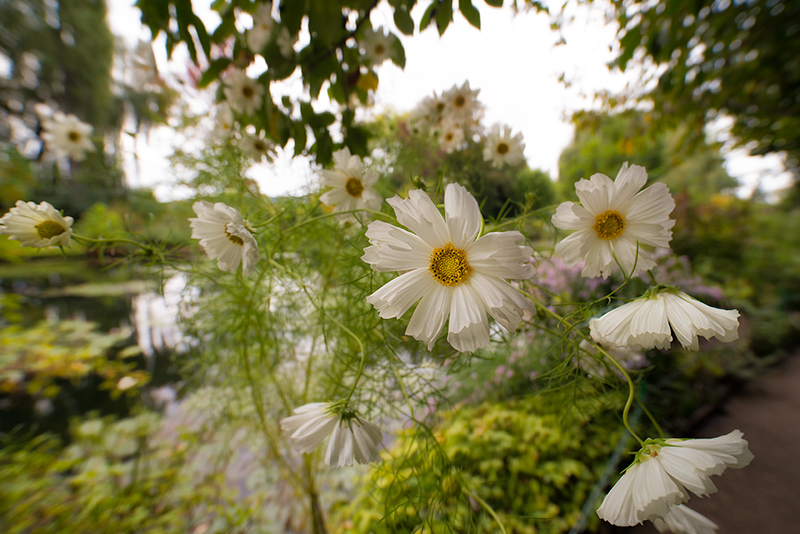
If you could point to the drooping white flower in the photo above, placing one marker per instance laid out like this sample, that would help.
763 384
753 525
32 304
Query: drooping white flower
664 472
68 135
461 103
451 136
645 323
377 45
352 438
683 520
263 24
352 188
457 276
255 146
503 149
36 226
286 42
224 236
611 219
244 94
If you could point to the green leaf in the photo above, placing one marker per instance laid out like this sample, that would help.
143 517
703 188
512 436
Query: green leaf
213 71
444 16
403 20
428 16
292 12
470 12
495 3
398 55
300 137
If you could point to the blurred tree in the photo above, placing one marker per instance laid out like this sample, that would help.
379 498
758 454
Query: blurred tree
603 142
717 58
59 53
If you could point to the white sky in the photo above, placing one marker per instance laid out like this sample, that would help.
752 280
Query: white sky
513 60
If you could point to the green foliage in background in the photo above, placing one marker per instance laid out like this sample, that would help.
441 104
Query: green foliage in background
719 58
533 466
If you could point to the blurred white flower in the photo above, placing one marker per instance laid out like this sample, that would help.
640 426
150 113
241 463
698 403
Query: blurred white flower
427 116
256 146
142 65
503 149
286 42
611 219
352 188
352 438
683 520
451 136
377 45
457 275
461 103
68 135
36 226
663 471
223 121
263 24
224 236
644 323
244 94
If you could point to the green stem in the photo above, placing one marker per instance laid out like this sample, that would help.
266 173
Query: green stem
488 509
80 238
363 356
268 221
651 418
631 388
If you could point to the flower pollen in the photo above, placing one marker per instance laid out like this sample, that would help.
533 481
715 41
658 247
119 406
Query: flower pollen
48 229
354 187
460 101
503 148
74 136
235 239
609 225
449 265
379 49
247 91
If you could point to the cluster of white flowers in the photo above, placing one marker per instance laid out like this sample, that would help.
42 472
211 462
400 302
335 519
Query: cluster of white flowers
613 222
450 116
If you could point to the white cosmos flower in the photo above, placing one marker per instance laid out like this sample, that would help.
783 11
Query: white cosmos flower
255 146
352 438
451 136
36 226
461 103
223 121
611 218
68 135
224 236
352 187
683 520
645 322
503 149
455 275
244 94
377 45
263 24
663 471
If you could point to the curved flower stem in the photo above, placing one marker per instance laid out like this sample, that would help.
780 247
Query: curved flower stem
631 388
80 238
488 509
651 418
363 357
652 277
270 220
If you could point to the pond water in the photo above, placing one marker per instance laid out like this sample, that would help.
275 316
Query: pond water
135 306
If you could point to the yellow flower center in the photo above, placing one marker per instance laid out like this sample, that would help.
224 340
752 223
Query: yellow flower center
440 107
247 91
448 136
503 148
48 229
449 265
261 146
354 187
609 225
379 49
460 101
235 239
74 137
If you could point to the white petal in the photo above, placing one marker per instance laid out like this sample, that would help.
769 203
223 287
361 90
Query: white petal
628 182
503 302
571 216
419 214
463 215
501 254
468 330
617 508
398 295
683 520
432 311
596 193
395 249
